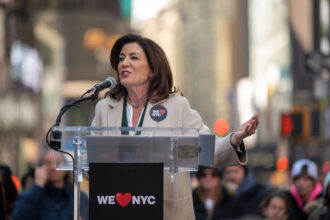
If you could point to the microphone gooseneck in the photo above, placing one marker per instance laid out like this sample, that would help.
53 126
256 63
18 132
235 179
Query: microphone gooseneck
54 141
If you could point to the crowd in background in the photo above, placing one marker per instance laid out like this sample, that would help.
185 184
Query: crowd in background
230 193
234 193
47 193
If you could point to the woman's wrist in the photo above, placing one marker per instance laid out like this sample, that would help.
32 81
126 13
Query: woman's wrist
237 144
234 140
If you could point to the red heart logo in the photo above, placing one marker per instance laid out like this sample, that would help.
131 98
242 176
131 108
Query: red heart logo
162 111
123 199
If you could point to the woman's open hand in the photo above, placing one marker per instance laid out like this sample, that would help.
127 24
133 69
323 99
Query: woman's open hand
246 129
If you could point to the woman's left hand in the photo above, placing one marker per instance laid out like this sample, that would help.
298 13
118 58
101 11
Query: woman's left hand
246 129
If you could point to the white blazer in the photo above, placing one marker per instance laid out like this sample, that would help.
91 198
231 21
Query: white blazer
108 113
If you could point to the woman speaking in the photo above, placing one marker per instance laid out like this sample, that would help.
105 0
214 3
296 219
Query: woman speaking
145 82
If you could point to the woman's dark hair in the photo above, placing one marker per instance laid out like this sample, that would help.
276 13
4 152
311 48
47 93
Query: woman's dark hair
202 168
161 81
8 190
276 194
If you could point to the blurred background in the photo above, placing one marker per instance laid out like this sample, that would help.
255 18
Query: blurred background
230 58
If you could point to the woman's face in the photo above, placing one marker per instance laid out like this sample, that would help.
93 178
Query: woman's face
276 209
133 67
53 175
304 185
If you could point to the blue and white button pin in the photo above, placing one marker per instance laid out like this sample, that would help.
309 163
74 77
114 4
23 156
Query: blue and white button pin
158 113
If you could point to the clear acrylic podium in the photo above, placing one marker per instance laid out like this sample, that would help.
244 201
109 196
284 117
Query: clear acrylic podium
178 149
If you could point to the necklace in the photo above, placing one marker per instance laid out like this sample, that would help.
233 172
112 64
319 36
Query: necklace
137 104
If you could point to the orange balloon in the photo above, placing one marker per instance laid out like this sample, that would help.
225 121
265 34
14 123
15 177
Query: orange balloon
221 126
282 164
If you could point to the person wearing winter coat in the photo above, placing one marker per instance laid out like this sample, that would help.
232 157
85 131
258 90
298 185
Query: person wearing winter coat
246 190
51 196
322 209
305 188
211 199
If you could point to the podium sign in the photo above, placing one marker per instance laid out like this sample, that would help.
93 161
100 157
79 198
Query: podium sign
126 191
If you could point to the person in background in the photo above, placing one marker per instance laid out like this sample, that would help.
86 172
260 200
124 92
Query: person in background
211 200
8 193
304 188
276 206
27 180
322 207
51 196
247 192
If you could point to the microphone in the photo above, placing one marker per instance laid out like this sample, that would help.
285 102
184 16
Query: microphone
109 82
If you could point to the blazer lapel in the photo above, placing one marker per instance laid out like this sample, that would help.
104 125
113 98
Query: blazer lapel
115 113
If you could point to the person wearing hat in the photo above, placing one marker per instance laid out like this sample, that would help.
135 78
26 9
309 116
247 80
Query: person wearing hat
305 187
211 200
